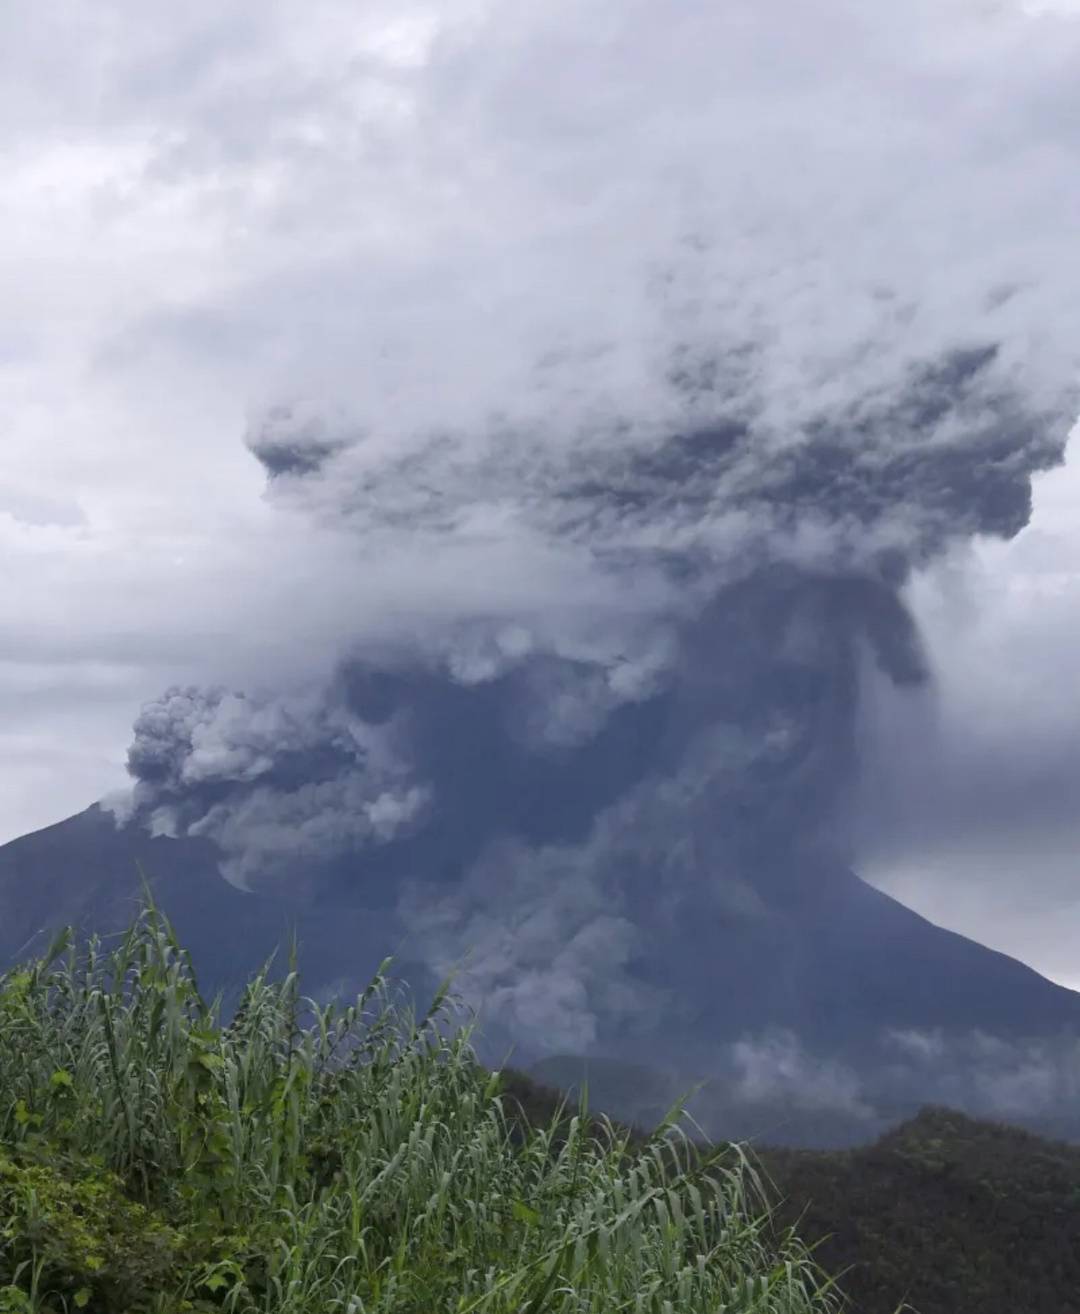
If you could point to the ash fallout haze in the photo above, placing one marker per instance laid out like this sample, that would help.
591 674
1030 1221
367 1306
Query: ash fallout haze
557 488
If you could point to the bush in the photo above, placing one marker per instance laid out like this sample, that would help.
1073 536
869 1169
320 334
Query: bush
326 1158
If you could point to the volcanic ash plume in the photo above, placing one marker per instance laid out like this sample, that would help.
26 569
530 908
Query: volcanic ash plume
631 447
562 793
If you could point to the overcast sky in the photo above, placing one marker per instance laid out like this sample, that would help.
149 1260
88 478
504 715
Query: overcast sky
392 210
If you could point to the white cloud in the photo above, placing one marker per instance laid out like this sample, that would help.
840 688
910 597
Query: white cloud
1056 8
775 1068
1003 1077
973 792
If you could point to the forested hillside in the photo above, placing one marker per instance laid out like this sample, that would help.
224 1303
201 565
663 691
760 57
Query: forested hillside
944 1215
954 1215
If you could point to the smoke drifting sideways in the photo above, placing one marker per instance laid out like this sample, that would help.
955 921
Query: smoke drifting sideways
770 1086
570 796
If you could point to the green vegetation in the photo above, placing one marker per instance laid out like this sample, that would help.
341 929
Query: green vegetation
154 1157
945 1214
951 1214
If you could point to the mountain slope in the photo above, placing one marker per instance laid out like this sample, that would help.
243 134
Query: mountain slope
88 873
829 1014
85 872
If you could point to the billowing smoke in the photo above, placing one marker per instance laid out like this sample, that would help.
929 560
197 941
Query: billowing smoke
274 783
771 1087
554 802
643 444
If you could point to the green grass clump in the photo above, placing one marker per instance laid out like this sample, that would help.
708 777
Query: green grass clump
309 1158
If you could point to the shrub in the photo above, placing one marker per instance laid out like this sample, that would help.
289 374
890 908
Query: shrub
305 1157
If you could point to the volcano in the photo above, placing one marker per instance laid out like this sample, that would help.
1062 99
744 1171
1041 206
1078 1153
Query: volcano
829 974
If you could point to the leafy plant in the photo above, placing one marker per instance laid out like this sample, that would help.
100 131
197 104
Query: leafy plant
303 1157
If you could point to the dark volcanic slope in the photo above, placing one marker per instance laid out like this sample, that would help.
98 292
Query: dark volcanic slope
85 872
864 959
834 962
847 977
844 960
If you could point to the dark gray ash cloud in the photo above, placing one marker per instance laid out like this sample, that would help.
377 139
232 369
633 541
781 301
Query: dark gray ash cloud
274 783
294 440
559 809
771 1087
946 453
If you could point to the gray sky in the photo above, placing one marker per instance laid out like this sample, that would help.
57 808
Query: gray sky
404 214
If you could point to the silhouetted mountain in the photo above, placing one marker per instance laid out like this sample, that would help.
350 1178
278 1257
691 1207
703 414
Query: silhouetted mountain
826 1016
89 873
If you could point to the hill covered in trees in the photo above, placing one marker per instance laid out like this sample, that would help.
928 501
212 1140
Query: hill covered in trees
295 1158
945 1214
952 1215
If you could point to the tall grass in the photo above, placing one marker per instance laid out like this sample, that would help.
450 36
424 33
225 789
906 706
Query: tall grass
301 1157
